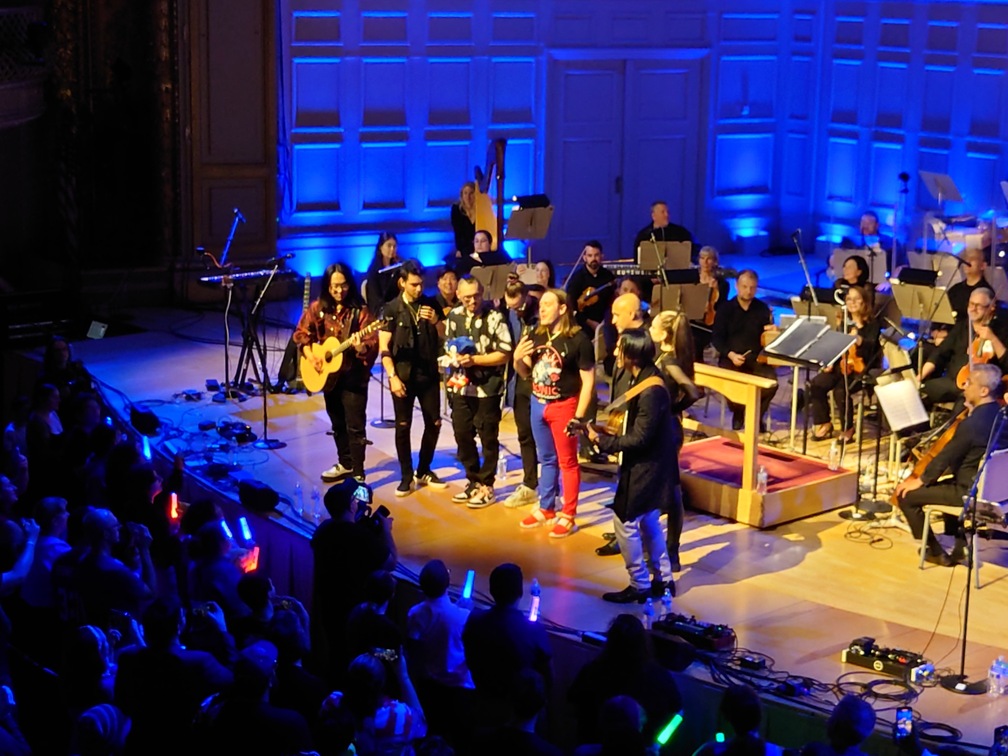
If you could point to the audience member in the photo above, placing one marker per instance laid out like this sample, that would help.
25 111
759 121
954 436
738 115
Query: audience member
621 731
528 699
160 686
347 548
294 687
213 575
367 627
101 731
499 643
625 667
742 709
850 724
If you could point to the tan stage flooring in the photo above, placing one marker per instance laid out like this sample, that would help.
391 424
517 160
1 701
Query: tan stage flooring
799 593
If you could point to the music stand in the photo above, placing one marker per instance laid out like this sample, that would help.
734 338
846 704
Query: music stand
805 308
664 255
810 343
941 186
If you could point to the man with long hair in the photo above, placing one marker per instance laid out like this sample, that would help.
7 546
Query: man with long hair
559 360
340 313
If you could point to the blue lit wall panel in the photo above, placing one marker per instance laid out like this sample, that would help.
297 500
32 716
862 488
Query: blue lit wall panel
797 165
746 87
383 176
987 104
743 164
513 85
749 27
938 99
383 28
844 90
841 170
978 181
318 28
316 93
884 166
450 28
801 80
519 167
449 94
591 198
891 94
316 176
383 89
513 28
446 166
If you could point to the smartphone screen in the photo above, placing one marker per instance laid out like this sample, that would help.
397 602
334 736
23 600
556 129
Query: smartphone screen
904 723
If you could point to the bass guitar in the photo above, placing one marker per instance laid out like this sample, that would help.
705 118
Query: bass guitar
330 352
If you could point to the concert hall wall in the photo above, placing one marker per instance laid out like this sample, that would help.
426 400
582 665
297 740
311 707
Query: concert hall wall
750 117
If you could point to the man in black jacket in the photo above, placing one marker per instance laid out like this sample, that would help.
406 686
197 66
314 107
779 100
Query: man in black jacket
962 455
648 471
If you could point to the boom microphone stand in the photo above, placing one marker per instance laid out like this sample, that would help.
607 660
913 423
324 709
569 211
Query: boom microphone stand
813 301
958 683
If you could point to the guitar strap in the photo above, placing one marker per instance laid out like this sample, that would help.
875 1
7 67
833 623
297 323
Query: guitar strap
619 404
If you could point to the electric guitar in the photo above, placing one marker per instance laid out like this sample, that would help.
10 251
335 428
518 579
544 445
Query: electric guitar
330 352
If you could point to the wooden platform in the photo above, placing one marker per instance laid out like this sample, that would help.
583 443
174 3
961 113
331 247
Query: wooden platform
797 486
799 592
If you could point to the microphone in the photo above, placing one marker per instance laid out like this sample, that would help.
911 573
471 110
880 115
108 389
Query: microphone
796 235
393 266
238 215
280 258
653 240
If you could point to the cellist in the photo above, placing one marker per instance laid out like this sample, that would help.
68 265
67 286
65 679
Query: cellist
845 376
962 449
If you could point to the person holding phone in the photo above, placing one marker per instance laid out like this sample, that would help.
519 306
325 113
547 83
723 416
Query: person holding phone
409 344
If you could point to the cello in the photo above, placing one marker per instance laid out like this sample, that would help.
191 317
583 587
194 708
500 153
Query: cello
928 456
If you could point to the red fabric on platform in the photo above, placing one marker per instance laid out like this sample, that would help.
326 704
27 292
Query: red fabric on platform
721 459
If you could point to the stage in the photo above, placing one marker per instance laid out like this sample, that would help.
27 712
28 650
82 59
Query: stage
800 592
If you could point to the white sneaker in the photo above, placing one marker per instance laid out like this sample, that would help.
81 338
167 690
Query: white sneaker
521 496
334 473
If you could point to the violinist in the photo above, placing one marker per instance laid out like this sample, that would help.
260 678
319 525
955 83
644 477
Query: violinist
591 288
738 330
961 455
974 277
712 276
845 376
854 273
980 338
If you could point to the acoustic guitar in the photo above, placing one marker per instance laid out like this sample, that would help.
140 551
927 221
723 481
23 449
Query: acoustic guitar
330 352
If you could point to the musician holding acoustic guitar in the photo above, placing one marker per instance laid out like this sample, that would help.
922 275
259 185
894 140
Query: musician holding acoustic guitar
337 340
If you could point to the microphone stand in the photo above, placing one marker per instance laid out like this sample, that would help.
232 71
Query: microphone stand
959 683
813 300
265 442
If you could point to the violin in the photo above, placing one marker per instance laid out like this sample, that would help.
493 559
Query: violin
590 296
851 362
712 300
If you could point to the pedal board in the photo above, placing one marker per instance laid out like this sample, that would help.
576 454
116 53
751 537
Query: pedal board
863 652
703 635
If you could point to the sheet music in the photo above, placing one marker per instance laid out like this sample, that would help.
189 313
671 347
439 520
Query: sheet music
901 404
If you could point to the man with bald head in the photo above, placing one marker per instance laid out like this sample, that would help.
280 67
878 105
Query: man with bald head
738 327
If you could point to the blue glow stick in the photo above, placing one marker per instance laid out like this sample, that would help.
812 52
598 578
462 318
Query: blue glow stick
146 448
227 530
467 589
246 531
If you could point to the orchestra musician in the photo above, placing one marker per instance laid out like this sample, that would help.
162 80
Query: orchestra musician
648 472
482 255
660 229
738 330
409 344
545 278
961 456
559 362
845 376
674 359
447 295
869 236
853 273
590 288
989 335
974 277
379 287
710 275
340 313
463 219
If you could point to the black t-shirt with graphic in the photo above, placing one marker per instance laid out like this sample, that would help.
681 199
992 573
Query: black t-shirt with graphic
557 362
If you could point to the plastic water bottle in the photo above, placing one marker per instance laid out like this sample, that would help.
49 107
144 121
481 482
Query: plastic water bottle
502 466
761 481
1002 675
316 500
994 681
666 602
834 456
534 607
298 500
648 615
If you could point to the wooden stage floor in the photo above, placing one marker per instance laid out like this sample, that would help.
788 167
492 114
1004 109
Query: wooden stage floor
799 593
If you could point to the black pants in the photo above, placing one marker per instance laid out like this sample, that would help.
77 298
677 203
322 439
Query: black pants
913 504
766 395
529 456
473 415
833 381
944 389
346 405
428 391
